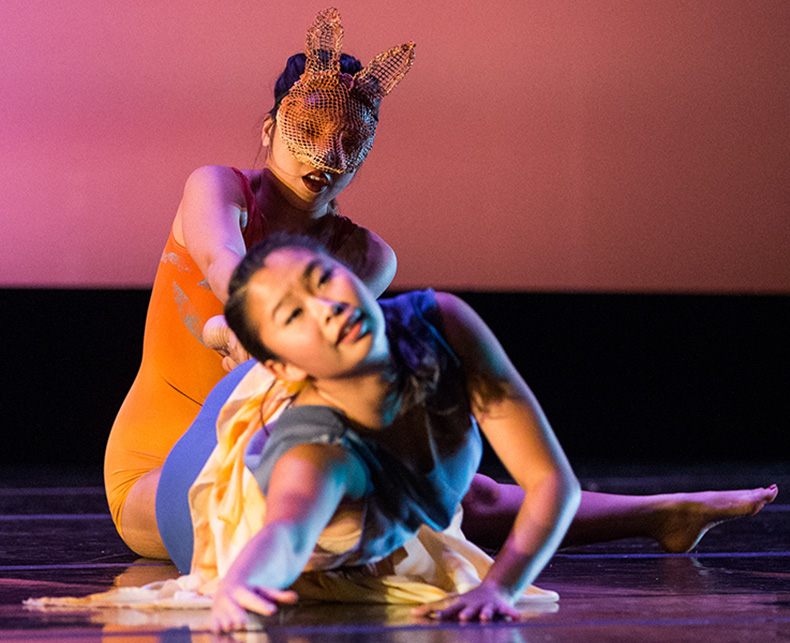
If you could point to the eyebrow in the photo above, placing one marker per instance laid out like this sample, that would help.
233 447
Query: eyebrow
306 274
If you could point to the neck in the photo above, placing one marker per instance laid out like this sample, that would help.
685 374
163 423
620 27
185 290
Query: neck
277 203
370 399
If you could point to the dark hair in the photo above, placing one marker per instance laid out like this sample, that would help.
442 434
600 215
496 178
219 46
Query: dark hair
294 68
416 358
236 306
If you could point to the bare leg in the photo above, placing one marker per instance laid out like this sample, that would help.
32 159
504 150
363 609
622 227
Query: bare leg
675 521
138 520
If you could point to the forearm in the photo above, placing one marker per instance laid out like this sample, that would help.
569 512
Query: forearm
273 558
540 525
305 489
380 277
371 259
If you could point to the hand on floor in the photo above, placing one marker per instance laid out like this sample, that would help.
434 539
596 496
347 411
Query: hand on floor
483 603
231 604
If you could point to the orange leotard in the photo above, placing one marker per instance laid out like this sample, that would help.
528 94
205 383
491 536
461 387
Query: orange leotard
177 371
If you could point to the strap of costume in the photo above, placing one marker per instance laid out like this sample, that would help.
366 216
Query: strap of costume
255 230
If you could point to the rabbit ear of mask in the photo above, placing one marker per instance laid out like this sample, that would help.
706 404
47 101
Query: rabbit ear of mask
324 43
385 71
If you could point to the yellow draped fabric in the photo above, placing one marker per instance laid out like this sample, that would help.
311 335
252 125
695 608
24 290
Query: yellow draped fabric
228 509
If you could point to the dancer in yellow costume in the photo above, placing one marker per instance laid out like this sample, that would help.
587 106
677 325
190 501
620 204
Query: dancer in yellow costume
382 438
381 441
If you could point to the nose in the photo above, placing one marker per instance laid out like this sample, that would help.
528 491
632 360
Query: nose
328 309
335 155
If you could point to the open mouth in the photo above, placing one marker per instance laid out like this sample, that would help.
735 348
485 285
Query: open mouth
351 328
316 181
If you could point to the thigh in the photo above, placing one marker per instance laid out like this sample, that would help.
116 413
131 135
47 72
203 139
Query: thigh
150 421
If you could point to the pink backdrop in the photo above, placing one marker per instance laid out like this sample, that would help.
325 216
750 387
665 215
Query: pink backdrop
605 145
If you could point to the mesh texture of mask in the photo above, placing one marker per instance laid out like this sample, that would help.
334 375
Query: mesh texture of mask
328 118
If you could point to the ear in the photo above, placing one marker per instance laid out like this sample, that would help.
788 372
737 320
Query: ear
268 130
324 43
285 372
385 71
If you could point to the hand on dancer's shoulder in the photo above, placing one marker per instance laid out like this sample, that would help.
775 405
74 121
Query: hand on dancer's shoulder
486 602
232 601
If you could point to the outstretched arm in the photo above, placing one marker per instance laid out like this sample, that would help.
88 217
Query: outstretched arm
517 429
305 489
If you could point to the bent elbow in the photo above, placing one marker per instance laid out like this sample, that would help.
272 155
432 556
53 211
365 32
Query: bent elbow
566 492
381 277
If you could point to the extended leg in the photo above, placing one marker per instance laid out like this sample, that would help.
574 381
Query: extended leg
675 521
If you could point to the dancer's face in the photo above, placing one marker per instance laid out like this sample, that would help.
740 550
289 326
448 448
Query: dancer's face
316 316
304 186
325 124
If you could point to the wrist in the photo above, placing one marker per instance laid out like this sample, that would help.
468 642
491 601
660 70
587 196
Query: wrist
498 589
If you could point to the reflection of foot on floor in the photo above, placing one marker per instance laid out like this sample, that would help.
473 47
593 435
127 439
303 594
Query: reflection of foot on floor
144 571
686 575
683 518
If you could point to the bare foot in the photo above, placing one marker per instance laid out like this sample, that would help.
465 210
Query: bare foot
687 516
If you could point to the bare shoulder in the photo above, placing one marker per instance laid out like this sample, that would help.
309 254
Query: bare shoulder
459 318
451 303
472 340
213 201
313 464
363 239
379 249
218 182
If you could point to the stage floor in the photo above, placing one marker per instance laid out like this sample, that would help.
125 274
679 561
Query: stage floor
56 539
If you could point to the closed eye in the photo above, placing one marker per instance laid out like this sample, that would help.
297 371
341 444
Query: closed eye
352 140
293 316
325 277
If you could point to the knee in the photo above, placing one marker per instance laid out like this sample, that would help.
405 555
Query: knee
483 493
137 524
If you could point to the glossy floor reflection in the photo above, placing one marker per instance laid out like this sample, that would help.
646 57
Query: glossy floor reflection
57 540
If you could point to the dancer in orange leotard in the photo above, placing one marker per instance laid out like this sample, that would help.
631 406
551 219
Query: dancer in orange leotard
223 212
